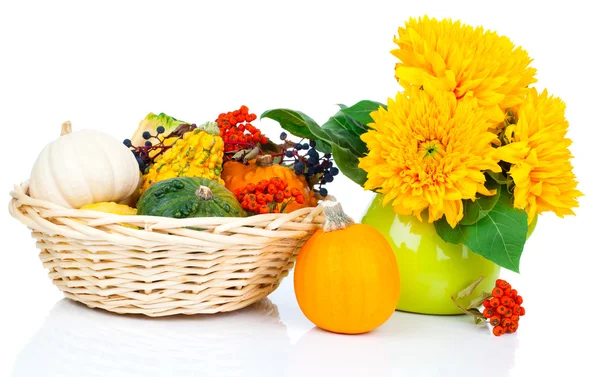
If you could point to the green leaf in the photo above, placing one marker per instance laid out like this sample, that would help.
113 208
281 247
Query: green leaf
361 111
335 128
349 124
478 209
347 162
300 125
292 121
500 178
499 236
323 146
447 233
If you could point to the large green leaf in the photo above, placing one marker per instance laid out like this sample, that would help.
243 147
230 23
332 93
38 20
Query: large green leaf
338 134
292 121
361 111
300 125
323 146
499 236
447 233
478 209
498 177
349 124
347 162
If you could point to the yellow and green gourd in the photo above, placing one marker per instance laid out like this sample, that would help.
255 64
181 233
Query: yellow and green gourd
199 153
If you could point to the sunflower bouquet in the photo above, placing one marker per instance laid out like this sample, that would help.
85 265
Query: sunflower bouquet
467 143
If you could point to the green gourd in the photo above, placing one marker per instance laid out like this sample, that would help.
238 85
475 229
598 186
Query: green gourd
189 197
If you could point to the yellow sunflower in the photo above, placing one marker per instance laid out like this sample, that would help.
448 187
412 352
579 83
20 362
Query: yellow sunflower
538 151
466 61
429 151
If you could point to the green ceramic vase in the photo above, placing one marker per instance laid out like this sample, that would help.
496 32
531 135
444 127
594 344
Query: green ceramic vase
431 270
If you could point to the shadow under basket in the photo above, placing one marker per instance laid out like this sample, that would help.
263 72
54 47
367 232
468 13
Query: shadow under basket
159 266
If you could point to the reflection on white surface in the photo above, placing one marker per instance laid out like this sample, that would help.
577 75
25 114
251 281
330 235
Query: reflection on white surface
255 342
77 341
407 345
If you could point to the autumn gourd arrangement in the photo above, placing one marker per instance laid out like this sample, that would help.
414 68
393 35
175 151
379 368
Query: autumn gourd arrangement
346 277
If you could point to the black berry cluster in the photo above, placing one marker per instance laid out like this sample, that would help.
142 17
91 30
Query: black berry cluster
146 154
318 169
143 153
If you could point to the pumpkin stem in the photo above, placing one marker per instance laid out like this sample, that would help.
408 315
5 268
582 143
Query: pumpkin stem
66 128
204 193
211 128
336 219
264 160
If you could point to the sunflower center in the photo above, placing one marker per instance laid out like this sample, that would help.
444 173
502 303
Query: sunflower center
431 149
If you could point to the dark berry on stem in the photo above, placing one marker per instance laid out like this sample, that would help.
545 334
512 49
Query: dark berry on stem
313 152
148 143
313 143
334 171
160 129
283 136
299 166
323 192
305 146
299 146
289 154
328 178
327 155
146 135
127 143
141 163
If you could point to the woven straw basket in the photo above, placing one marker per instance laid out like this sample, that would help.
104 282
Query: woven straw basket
160 266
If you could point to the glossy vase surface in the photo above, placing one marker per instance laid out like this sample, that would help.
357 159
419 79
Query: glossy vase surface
431 270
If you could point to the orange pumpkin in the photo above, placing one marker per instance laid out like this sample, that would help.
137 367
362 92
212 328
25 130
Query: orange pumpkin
346 278
238 175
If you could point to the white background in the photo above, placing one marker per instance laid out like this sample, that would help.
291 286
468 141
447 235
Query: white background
105 65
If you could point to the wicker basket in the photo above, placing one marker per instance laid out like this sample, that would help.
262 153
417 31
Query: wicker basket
161 266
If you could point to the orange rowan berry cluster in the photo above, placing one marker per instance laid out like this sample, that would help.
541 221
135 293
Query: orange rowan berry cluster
237 131
503 308
267 196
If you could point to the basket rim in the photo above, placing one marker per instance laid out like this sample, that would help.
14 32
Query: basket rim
24 187
44 209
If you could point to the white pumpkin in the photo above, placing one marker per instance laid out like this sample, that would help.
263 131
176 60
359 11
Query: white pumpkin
84 167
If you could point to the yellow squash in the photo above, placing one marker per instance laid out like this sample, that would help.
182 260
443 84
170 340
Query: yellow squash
114 208
111 207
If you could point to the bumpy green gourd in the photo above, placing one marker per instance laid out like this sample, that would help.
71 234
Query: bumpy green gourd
189 197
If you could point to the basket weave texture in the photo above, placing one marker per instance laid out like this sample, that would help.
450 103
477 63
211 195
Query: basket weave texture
160 266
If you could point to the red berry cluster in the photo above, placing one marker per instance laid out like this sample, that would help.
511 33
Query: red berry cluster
267 196
237 131
503 308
